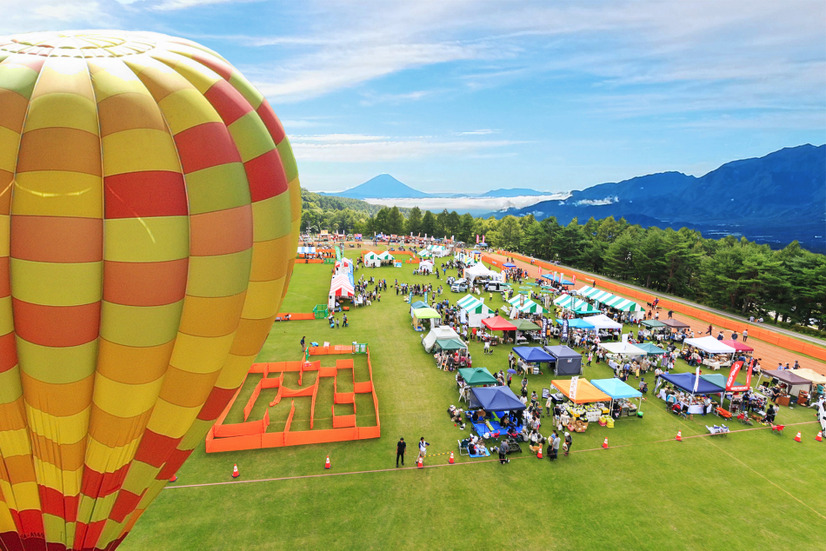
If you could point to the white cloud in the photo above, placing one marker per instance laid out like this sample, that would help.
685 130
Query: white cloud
480 132
348 148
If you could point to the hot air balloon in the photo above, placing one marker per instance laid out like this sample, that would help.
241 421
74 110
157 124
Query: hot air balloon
149 211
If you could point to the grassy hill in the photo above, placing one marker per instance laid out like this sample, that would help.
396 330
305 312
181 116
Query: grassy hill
750 489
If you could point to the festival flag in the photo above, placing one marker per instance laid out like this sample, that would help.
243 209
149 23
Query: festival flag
477 238
574 381
696 380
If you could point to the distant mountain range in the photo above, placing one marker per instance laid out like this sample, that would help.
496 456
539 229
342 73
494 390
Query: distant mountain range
384 186
773 199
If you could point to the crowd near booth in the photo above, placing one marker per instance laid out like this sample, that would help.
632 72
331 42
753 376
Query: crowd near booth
416 305
490 405
567 361
785 386
601 322
344 265
474 310
693 388
426 267
530 356
675 325
623 348
621 395
577 415
715 354
741 348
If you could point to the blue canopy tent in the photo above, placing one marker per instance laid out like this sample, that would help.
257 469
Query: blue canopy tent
577 323
509 265
686 381
495 398
618 390
557 279
567 360
535 354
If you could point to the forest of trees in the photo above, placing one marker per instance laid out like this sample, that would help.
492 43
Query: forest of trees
737 275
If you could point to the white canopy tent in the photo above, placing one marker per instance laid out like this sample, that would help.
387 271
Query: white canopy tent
601 321
439 333
622 348
479 270
426 266
710 345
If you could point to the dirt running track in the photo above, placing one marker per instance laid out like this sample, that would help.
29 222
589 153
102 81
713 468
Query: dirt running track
787 350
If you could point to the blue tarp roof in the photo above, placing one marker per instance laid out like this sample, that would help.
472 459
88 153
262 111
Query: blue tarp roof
533 354
576 323
685 381
418 304
562 351
495 398
615 388
557 279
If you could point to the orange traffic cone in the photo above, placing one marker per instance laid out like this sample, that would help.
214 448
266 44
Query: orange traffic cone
819 436
797 438
174 478
235 473
605 444
450 460
539 453
420 462
679 436
327 463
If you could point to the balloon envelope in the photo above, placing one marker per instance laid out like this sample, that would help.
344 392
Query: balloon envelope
149 211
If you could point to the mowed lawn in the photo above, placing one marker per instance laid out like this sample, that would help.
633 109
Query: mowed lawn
752 489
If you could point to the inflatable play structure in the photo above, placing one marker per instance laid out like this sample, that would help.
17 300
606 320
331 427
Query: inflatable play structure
256 434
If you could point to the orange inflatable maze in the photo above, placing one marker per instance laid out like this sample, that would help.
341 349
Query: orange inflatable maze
254 434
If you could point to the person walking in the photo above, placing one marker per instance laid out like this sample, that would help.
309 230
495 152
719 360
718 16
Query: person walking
401 447
423 448
745 335
503 453
568 442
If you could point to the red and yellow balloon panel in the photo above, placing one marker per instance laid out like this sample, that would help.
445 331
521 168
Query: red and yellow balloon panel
149 211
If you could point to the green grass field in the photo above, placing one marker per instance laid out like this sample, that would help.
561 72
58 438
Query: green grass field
752 489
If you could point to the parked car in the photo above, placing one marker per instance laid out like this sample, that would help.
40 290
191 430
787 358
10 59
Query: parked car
496 286
459 286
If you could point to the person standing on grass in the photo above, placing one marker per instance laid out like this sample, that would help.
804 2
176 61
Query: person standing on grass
401 447
423 448
503 453
302 343
568 442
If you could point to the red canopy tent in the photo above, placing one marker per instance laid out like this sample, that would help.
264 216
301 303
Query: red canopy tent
738 346
498 323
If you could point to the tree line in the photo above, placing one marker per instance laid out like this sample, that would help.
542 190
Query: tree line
786 286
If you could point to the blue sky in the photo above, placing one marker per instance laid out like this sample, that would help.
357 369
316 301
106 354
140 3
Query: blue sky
476 95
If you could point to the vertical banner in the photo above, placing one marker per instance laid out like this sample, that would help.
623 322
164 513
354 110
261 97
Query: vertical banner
564 335
696 380
574 381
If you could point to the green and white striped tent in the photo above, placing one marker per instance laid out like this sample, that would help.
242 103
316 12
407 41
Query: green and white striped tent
613 301
525 305
386 256
576 305
474 309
